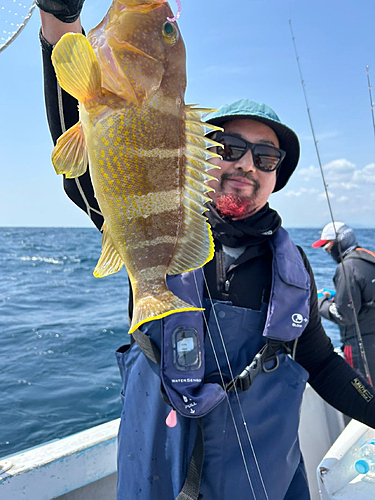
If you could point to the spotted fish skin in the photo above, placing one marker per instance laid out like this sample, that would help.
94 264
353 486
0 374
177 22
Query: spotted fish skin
145 147
138 187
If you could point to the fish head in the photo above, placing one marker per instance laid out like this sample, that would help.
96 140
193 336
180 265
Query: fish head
140 52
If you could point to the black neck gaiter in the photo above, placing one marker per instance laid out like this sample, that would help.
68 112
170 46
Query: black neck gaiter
244 232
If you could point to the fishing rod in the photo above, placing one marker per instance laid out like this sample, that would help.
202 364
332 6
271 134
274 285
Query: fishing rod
13 19
351 302
371 101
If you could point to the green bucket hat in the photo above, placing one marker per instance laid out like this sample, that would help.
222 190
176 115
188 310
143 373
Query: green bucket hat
244 108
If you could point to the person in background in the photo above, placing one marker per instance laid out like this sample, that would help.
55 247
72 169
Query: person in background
236 430
354 282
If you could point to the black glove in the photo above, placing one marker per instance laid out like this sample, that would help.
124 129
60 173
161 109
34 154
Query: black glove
66 11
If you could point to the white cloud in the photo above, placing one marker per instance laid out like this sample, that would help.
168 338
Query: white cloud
360 209
296 194
351 191
366 175
340 175
308 173
340 165
340 171
323 196
348 186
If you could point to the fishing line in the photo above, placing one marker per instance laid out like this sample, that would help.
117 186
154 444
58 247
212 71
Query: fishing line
60 103
371 101
14 16
235 390
173 19
351 302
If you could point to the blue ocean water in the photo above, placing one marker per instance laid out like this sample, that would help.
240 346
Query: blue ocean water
60 328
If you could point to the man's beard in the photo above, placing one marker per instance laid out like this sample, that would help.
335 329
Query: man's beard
234 205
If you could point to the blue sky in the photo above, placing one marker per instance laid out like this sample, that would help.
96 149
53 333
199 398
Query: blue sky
235 50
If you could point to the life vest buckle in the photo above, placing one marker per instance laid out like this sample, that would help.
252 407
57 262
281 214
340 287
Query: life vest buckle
268 352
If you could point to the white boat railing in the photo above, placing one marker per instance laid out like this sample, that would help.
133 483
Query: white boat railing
83 466
61 466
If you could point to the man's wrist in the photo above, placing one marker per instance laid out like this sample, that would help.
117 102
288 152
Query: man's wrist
66 11
53 29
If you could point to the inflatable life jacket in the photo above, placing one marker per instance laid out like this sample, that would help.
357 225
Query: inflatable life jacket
179 338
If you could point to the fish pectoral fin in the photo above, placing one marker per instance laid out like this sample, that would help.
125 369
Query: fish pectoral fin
110 261
69 156
77 67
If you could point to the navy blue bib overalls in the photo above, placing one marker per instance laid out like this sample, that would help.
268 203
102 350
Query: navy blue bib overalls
251 448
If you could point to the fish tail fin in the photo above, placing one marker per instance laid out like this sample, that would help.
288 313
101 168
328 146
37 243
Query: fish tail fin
77 67
148 308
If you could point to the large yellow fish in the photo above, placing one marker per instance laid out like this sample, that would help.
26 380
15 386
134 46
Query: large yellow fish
146 149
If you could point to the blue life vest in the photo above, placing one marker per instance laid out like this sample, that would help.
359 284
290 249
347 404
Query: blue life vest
257 461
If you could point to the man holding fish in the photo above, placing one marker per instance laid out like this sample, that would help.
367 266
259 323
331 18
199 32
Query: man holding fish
222 349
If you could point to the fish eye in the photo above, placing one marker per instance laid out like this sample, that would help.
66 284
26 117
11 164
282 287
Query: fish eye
170 32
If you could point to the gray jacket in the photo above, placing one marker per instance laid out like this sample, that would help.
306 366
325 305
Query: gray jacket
359 268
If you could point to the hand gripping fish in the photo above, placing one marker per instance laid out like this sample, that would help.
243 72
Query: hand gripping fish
146 149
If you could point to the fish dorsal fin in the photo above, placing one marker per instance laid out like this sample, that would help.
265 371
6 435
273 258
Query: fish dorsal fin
110 261
69 156
77 67
195 245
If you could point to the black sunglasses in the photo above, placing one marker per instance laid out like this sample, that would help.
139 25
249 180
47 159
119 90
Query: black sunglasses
266 158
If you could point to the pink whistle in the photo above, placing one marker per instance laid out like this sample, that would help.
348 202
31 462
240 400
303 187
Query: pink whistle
171 420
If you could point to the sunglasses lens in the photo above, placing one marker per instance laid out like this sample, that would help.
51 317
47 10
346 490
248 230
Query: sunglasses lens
266 158
234 147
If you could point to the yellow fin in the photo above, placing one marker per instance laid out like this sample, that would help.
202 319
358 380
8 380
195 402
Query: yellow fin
192 107
213 127
69 156
195 246
150 308
202 151
76 66
200 163
195 125
110 261
209 141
